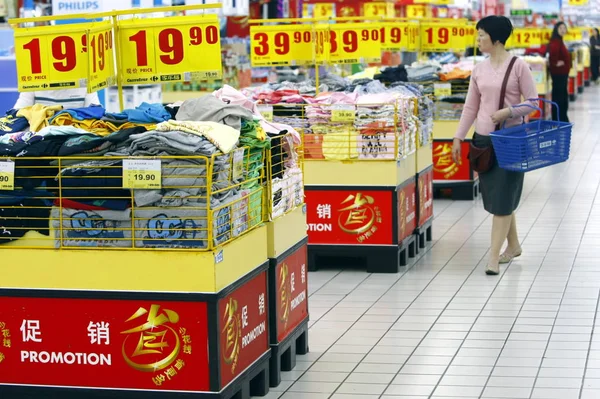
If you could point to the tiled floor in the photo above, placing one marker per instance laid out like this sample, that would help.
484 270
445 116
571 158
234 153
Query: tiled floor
443 329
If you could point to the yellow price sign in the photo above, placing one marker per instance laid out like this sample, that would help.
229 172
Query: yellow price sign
414 36
142 174
282 45
101 58
343 114
51 57
395 37
187 48
415 11
578 2
355 43
266 111
525 38
440 36
322 44
546 35
323 10
7 175
574 35
378 9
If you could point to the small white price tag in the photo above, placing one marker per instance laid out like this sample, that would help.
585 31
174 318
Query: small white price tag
142 174
238 164
343 113
266 111
7 175
442 89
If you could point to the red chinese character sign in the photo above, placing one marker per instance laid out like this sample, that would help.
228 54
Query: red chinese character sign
349 217
292 293
104 343
425 181
444 167
407 218
243 327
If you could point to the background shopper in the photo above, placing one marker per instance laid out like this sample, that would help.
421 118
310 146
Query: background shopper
68 98
560 65
595 55
501 189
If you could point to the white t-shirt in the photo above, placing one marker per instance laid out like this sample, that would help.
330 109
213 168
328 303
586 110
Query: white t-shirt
68 98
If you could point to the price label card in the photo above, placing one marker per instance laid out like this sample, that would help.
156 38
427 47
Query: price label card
414 36
577 3
322 44
142 174
395 37
266 111
281 45
7 175
442 89
51 57
187 48
343 113
238 164
415 11
574 35
525 38
378 9
101 57
443 37
355 43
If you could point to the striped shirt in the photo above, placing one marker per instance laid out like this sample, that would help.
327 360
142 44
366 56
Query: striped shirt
68 98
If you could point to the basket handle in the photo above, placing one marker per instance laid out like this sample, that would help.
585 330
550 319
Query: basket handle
524 105
551 103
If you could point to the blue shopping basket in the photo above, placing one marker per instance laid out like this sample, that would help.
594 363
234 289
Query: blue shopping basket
532 145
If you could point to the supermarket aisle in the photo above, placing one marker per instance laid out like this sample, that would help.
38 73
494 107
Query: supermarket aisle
444 329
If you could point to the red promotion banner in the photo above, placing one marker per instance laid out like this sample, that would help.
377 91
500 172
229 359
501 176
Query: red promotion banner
243 329
97 343
349 217
444 167
425 196
407 210
292 292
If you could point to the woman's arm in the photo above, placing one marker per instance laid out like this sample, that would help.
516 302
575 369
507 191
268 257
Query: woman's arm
527 88
470 109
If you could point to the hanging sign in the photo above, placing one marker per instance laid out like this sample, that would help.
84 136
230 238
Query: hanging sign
378 9
395 37
281 45
443 37
577 3
574 35
51 57
354 43
186 48
525 38
101 61
415 11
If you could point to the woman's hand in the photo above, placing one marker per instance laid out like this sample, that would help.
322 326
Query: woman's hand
560 63
456 151
500 116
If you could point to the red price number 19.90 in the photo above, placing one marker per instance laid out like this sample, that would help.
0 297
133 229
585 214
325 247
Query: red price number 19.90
100 45
190 48
444 37
51 57
101 57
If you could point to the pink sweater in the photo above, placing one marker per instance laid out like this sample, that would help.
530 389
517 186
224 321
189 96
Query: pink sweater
484 95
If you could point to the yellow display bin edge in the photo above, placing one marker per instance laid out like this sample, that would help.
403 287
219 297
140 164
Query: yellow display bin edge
141 271
285 232
424 157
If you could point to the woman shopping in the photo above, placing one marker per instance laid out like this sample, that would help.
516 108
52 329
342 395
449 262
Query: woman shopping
497 86
560 65
595 55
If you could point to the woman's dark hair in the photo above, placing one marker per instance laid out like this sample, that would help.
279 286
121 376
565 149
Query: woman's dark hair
597 31
499 28
555 34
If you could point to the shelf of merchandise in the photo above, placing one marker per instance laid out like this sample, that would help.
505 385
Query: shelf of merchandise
384 190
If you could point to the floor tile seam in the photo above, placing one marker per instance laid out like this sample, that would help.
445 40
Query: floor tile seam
587 358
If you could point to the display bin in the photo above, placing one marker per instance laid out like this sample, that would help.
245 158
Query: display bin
458 180
124 303
286 249
573 81
424 195
356 173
